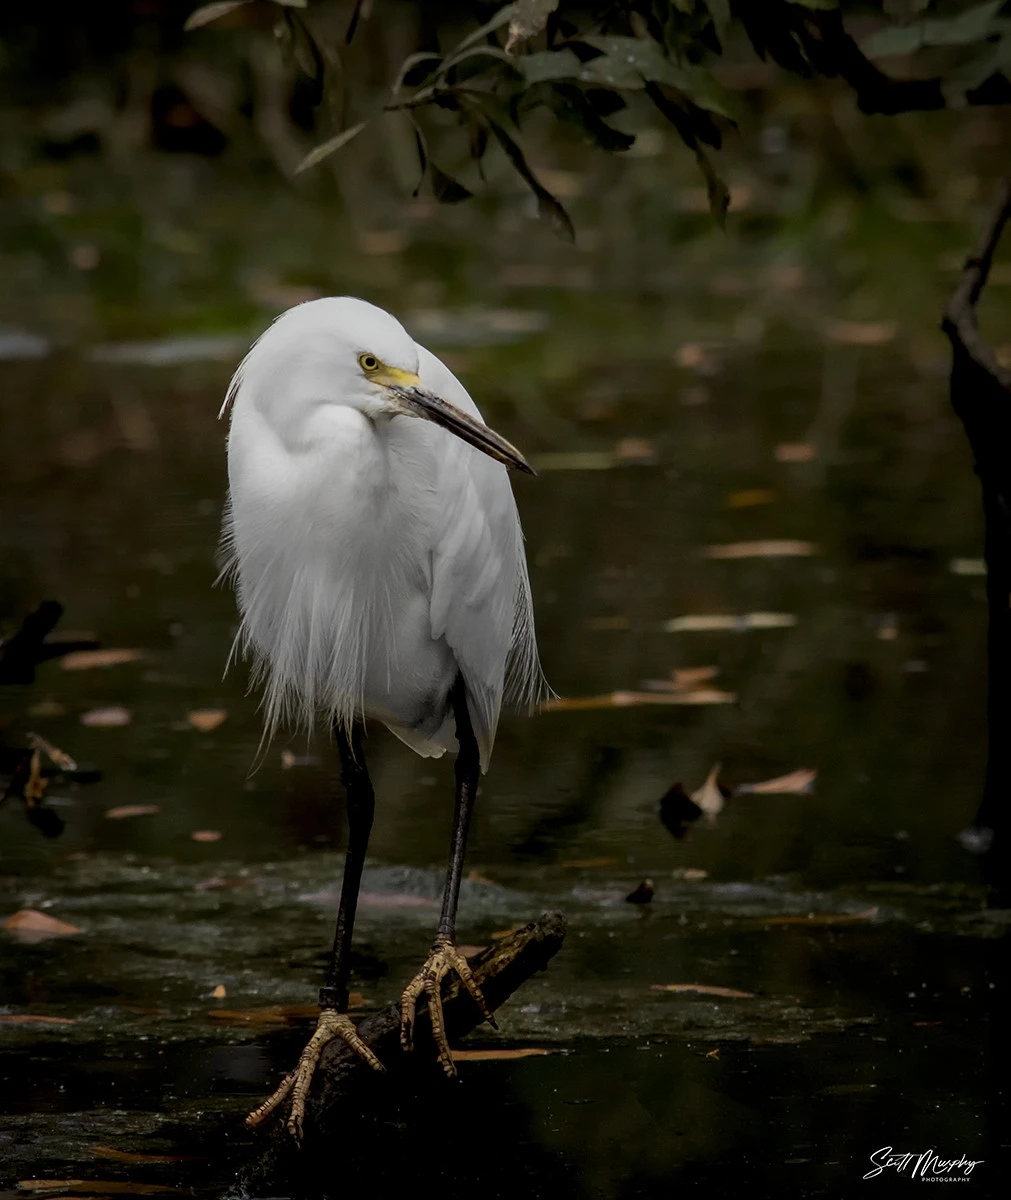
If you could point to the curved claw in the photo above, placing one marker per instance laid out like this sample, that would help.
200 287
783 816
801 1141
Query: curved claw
445 957
331 1026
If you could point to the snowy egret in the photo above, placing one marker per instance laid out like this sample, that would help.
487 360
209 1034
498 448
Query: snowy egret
379 569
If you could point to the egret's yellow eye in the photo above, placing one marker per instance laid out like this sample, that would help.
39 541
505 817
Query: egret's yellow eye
368 363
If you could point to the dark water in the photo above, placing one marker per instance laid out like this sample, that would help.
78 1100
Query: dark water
867 1025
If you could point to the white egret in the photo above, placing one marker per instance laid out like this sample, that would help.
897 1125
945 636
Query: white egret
379 569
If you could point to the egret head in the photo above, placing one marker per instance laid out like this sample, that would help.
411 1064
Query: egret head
346 352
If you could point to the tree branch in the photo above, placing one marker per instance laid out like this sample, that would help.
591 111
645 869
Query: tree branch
341 1075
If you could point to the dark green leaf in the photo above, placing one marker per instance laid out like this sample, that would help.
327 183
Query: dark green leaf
968 28
445 188
325 149
569 103
716 188
547 205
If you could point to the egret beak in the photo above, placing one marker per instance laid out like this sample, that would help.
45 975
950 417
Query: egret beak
418 403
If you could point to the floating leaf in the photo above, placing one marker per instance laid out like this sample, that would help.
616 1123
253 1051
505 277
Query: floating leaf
813 918
206 835
703 989
84 660
720 622
586 863
220 992
750 498
862 333
395 900
967 566
501 1055
795 452
796 783
122 811
711 796
276 1014
30 925
769 548
97 1187
112 717
698 696
131 1156
34 1019
331 146
206 719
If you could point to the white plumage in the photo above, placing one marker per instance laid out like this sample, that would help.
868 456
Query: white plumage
375 555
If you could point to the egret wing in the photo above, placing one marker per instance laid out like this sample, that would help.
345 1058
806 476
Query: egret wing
480 598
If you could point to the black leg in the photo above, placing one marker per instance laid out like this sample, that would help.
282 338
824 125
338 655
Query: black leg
334 1022
468 772
361 806
445 956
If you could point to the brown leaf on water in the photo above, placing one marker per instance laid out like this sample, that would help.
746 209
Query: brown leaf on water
122 811
690 873
206 719
690 355
861 333
683 679
711 796
395 900
34 1019
130 1156
795 783
97 1187
220 992
812 918
795 452
750 498
501 1055
635 450
276 1014
768 548
581 864
206 835
714 1053
696 696
112 717
703 989
84 660
728 622
471 951
30 925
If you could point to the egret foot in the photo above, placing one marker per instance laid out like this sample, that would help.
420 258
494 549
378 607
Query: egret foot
332 1025
444 958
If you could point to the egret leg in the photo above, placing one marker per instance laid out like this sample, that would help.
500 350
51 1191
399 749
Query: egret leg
444 956
334 1023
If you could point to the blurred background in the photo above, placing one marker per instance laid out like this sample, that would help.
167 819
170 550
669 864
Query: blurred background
754 541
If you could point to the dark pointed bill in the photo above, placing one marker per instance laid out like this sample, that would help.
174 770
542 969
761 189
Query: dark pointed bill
441 412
